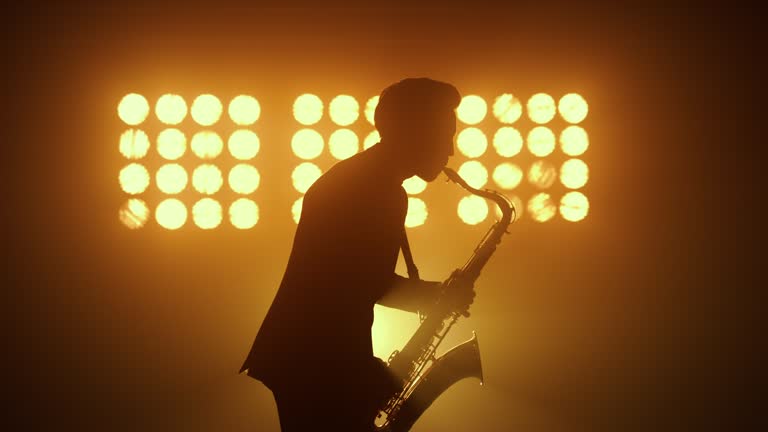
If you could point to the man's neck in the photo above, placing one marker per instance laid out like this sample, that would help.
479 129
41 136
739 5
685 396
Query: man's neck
393 164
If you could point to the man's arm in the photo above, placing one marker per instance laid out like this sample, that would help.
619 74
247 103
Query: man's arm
410 295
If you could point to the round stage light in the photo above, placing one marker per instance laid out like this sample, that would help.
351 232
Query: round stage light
507 141
133 109
573 108
541 208
207 213
134 213
305 175
171 144
206 109
472 209
541 141
414 185
507 175
296 209
541 108
134 144
574 173
343 144
507 108
472 109
207 145
474 173
574 206
574 141
171 109
344 110
171 214
134 179
308 109
472 142
244 179
244 214
417 213
371 140
243 144
171 179
244 110
370 109
542 174
207 179
307 144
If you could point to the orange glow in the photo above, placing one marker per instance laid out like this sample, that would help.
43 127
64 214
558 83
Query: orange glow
244 110
472 142
414 185
417 213
206 109
542 174
307 144
472 109
243 144
343 143
541 208
344 110
541 141
574 206
134 179
133 109
474 173
371 140
134 144
305 175
207 179
507 175
244 179
171 178
573 108
207 145
134 213
171 144
171 214
472 209
541 108
574 173
243 214
507 141
296 209
308 109
207 213
507 108
171 109
370 109
574 141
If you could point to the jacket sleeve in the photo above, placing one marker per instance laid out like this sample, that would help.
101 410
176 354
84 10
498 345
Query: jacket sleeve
409 294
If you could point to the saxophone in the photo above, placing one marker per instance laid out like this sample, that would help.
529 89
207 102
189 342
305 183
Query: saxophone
423 376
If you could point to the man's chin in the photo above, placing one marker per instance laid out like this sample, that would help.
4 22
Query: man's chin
428 177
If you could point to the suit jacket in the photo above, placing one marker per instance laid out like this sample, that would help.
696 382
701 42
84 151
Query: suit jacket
342 263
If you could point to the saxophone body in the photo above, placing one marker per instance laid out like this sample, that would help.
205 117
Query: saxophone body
423 375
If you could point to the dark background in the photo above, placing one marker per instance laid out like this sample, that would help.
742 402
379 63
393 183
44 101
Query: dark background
640 318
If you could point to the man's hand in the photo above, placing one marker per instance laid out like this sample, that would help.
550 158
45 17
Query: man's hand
459 293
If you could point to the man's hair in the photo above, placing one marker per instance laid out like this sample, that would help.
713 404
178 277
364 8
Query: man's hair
411 101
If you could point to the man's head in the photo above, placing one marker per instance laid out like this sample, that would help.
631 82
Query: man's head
417 116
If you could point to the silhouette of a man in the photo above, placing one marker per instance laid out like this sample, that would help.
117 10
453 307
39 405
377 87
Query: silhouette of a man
313 349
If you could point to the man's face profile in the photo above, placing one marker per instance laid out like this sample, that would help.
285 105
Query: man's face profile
434 140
